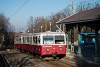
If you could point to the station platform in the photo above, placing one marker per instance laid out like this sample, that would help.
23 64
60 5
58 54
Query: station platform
79 61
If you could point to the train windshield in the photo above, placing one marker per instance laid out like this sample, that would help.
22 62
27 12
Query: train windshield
47 39
59 40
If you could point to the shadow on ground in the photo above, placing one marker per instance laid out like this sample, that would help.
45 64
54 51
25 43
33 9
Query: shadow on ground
86 59
81 62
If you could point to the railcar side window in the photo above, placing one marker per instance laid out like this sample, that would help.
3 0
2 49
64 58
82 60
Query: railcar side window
35 40
39 40
59 40
16 41
19 40
47 39
23 39
28 40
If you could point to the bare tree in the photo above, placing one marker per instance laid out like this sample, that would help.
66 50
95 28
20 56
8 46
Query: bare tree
43 23
5 29
83 6
96 5
67 11
36 24
30 24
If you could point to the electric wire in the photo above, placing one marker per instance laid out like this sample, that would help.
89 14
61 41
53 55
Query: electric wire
19 8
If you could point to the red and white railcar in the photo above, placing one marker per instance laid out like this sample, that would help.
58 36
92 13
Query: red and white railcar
43 43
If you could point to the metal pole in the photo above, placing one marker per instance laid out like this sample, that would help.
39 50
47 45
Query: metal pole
63 27
67 49
45 27
33 30
50 26
28 31
60 27
41 28
79 35
97 46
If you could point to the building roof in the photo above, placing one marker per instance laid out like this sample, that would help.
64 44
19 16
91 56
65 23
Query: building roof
88 15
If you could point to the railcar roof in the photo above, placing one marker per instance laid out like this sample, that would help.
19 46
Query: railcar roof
48 32
26 34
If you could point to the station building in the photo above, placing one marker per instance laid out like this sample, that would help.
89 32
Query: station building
75 23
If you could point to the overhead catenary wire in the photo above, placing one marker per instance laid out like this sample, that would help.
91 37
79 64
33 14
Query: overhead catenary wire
19 8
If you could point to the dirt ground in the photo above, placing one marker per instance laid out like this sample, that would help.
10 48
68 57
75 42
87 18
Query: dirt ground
19 59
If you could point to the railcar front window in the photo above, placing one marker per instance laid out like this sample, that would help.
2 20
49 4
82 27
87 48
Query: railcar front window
47 39
59 40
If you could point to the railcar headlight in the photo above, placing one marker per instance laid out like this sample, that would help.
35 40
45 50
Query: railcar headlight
60 49
47 49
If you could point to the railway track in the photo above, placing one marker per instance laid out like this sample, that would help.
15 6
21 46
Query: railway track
17 59
59 63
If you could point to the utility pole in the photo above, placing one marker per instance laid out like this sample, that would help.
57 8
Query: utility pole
45 27
33 30
28 31
72 7
41 28
50 26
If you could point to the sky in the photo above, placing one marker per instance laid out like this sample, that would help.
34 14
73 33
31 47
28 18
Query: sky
19 13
